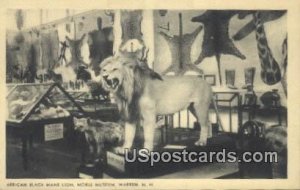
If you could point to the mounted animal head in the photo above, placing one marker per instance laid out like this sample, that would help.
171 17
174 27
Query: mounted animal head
110 14
140 55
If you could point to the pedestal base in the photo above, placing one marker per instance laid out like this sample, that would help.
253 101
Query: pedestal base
90 172
117 167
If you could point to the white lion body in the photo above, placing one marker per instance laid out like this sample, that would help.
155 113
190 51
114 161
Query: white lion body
175 93
171 95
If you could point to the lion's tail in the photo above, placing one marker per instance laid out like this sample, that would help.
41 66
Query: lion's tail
219 121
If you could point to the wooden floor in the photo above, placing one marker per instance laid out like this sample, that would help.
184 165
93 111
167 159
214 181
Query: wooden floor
48 160
61 159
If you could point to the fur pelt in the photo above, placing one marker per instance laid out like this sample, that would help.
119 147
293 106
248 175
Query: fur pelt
100 47
75 49
50 48
276 139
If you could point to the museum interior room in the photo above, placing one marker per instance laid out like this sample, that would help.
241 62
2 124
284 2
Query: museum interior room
84 87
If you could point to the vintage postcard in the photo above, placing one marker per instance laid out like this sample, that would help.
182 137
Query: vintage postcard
150 94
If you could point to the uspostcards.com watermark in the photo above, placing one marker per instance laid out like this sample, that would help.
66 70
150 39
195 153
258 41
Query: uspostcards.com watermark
184 156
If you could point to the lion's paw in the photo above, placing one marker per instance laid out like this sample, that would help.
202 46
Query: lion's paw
200 143
120 150
149 148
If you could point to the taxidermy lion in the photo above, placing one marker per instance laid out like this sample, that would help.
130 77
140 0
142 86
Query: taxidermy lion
141 94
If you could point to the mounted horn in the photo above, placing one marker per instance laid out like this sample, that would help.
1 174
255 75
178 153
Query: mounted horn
111 14
67 38
145 52
82 37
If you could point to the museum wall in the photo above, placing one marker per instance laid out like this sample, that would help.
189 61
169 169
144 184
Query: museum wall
160 55
49 21
276 32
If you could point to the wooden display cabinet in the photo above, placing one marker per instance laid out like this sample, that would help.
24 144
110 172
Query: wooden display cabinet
39 111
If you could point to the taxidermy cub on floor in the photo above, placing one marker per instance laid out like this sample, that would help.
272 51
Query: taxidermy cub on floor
98 134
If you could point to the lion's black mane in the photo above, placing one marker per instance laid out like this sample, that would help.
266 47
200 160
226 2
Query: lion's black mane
131 112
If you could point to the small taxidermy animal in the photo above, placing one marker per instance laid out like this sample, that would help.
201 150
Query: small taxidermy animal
276 139
83 74
98 134
97 90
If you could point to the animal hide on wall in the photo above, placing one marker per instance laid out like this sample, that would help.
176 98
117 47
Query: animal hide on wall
77 62
216 39
23 58
100 46
34 55
284 65
31 69
270 70
180 47
50 48
75 49
132 36
266 16
131 25
12 66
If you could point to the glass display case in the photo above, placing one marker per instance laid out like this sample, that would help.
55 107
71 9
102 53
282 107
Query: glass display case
27 102
42 112
230 100
91 104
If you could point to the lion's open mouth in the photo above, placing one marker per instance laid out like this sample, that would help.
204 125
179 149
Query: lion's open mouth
113 83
